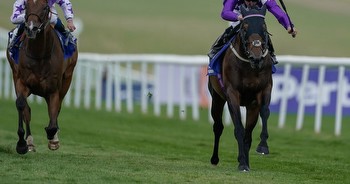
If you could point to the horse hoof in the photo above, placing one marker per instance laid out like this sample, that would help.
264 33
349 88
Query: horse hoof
243 168
53 145
214 161
31 148
21 147
262 150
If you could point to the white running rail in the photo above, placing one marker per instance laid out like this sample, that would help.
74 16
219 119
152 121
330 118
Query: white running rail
111 80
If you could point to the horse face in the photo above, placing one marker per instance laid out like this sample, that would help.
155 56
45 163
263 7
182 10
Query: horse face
36 18
254 36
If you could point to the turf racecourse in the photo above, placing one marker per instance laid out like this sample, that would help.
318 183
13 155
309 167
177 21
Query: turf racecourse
106 147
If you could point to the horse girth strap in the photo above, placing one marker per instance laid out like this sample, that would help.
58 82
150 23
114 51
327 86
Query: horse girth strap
243 59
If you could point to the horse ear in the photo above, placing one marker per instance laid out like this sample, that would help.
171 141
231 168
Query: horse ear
244 10
263 10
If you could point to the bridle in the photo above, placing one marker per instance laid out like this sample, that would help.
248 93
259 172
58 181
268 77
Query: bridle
32 31
254 44
44 21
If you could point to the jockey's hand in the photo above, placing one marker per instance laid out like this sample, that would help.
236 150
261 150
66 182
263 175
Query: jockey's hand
293 31
70 25
240 17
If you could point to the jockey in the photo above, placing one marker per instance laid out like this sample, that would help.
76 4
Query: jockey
18 17
230 12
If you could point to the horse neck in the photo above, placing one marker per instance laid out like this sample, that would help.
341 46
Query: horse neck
41 46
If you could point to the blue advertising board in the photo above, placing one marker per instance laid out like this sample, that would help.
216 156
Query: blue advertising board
329 91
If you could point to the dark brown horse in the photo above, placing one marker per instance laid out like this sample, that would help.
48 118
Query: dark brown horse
246 80
41 70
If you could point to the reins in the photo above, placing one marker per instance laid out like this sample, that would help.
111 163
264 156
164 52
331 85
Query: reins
237 55
241 58
254 15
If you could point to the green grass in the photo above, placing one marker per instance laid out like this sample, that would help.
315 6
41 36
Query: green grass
106 147
190 27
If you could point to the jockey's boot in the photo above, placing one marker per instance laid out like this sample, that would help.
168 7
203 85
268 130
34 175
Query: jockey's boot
221 41
273 58
272 52
60 27
14 35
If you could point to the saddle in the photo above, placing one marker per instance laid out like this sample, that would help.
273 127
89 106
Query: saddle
214 67
68 44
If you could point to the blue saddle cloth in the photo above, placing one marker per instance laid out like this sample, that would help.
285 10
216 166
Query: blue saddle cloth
214 67
14 51
68 44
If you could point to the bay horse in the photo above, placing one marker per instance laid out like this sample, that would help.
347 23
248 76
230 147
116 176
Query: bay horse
41 70
245 80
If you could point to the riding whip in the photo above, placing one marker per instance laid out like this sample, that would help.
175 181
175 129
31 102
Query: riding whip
285 9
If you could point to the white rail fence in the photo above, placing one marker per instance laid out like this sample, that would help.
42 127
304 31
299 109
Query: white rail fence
179 83
3 38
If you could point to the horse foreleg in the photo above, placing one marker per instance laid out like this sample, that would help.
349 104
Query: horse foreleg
234 107
29 137
216 113
251 120
263 148
21 147
53 103
23 110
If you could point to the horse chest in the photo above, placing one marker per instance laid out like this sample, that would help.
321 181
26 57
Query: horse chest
39 79
253 83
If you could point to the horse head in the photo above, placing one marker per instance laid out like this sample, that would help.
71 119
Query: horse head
36 17
254 34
